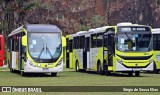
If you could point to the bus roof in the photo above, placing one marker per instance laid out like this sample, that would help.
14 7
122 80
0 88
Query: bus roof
36 28
41 28
156 31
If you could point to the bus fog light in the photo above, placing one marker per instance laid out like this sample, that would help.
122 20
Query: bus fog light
119 61
151 61
39 65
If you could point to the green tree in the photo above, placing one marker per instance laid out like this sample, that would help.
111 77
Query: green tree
97 21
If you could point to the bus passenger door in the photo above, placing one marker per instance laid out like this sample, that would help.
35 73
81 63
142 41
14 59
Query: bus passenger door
20 53
110 49
67 53
71 54
86 53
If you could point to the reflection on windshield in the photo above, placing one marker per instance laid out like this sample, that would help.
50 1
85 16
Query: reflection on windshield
134 42
44 45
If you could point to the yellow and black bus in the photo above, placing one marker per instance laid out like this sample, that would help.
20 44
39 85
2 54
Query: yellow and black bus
156 49
125 47
36 48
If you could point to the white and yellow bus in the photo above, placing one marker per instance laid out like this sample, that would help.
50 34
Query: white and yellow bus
156 49
36 48
126 47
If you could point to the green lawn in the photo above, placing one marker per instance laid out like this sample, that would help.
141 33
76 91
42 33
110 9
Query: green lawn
72 78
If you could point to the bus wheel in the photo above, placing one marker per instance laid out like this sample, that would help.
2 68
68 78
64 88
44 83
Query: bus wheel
155 69
137 73
11 70
22 73
130 73
99 69
77 66
53 74
108 73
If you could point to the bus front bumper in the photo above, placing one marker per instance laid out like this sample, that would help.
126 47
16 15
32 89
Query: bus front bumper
120 67
34 69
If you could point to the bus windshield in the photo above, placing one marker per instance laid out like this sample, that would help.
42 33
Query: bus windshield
134 42
44 47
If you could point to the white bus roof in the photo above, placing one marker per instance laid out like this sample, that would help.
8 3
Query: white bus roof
124 24
156 31
81 32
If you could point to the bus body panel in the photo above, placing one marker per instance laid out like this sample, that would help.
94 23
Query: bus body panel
156 55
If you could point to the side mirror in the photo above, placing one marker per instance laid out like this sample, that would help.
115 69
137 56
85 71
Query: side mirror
24 40
115 39
63 41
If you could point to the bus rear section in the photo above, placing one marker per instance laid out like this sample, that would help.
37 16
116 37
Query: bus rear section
2 54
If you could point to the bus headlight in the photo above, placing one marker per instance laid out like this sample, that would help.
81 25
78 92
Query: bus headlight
119 61
60 62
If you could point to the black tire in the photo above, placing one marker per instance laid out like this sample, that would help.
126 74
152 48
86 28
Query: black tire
77 66
53 74
108 73
130 73
137 73
155 70
99 69
23 73
11 70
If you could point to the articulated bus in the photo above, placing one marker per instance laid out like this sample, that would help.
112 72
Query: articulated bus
36 48
125 47
156 49
2 54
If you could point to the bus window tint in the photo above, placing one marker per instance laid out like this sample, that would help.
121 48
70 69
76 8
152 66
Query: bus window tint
44 45
93 41
82 39
156 42
99 39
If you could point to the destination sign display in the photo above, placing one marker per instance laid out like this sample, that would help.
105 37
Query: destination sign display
133 29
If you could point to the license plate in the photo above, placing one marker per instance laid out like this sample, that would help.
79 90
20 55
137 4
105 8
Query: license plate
136 69
45 69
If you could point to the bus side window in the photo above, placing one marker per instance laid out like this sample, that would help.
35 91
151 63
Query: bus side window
156 41
93 41
70 45
17 44
105 41
67 47
76 42
12 43
82 40
99 40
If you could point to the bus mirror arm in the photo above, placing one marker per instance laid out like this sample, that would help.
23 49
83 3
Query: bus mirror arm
24 57
115 39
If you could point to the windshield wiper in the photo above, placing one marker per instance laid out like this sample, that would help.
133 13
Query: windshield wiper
41 52
149 45
49 51
127 36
